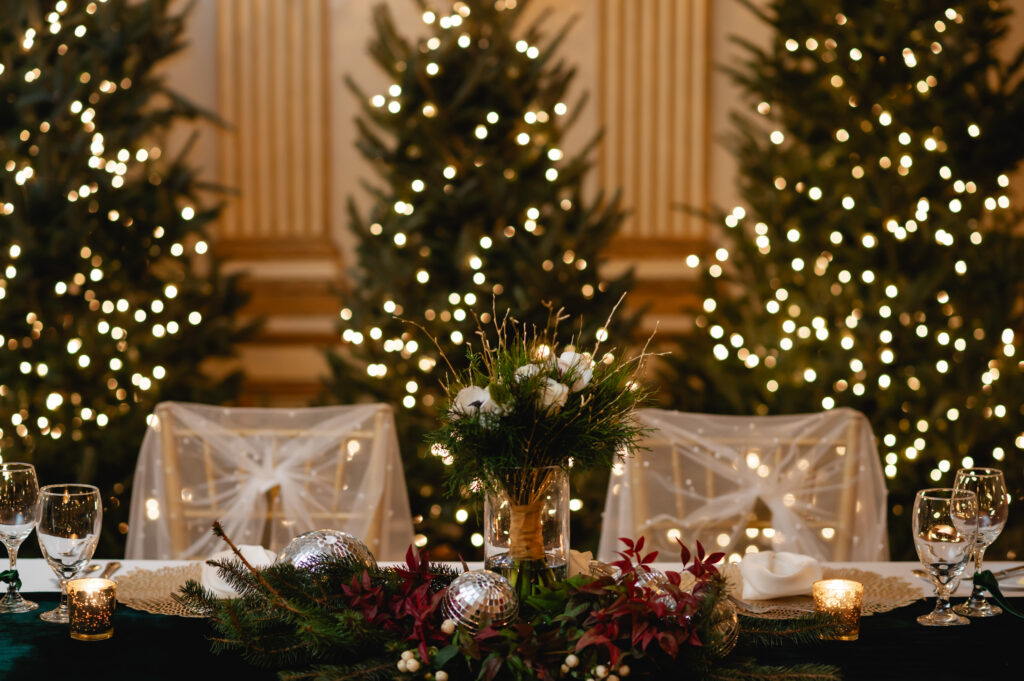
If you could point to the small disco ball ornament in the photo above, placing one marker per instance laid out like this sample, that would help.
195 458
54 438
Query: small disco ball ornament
318 544
651 579
723 627
599 569
479 595
656 581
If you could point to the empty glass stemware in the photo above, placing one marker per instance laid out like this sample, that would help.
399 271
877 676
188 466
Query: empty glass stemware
68 530
945 521
993 508
19 508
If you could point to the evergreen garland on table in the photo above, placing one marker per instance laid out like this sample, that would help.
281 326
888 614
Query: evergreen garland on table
335 620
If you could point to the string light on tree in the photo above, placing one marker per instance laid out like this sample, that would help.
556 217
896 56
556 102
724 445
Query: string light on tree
884 178
475 210
97 242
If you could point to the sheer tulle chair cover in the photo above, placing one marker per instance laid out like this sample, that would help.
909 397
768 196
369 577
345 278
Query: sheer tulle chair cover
806 483
267 475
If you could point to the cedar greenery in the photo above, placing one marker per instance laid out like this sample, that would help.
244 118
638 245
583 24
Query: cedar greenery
518 427
338 620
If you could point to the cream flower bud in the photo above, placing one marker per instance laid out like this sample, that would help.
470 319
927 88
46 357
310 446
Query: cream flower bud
526 371
578 366
552 395
471 400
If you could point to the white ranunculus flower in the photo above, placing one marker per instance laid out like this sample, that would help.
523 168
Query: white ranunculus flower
470 400
526 371
579 365
552 395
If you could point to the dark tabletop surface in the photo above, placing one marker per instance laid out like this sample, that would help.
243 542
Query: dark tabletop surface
156 647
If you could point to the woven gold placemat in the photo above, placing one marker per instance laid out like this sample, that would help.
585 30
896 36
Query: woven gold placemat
150 590
881 594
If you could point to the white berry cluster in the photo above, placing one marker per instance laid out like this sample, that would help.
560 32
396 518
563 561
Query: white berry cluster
410 664
598 673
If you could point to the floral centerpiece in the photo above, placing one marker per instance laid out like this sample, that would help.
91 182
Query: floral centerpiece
334 619
524 411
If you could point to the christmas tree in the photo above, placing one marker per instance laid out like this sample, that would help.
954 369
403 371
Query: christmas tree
875 261
477 209
106 303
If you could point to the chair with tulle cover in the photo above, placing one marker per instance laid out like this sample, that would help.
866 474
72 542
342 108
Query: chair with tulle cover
805 483
267 474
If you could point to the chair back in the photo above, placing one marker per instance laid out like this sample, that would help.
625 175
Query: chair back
267 474
805 483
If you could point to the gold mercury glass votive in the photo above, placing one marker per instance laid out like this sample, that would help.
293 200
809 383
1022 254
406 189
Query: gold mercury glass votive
840 598
91 608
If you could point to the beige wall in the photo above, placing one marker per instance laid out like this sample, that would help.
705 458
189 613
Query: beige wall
274 69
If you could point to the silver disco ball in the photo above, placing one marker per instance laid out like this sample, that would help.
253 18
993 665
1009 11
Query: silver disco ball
651 579
308 547
477 595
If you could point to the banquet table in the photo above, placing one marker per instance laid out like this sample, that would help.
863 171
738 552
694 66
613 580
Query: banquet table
891 645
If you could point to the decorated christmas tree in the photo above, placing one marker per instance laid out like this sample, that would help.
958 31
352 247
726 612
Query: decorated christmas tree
875 261
106 303
476 209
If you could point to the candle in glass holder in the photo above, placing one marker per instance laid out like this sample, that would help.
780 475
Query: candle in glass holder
91 608
841 599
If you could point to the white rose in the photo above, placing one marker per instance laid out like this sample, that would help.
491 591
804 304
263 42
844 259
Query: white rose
472 399
552 395
527 371
579 366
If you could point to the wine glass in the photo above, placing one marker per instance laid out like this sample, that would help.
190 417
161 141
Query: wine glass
945 522
993 508
19 508
68 530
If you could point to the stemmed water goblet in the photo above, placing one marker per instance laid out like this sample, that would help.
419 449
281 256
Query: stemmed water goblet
19 508
945 521
68 530
993 507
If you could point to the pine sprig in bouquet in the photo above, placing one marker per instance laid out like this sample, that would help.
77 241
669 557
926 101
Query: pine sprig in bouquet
528 408
527 403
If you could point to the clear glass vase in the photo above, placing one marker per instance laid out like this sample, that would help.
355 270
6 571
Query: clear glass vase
526 527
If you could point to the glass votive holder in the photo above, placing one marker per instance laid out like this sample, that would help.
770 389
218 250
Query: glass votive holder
841 599
91 608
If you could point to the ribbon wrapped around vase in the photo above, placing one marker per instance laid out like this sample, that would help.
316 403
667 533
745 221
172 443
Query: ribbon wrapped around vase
526 522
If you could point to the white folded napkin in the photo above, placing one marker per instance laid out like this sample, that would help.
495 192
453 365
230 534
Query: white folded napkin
210 578
579 562
776 574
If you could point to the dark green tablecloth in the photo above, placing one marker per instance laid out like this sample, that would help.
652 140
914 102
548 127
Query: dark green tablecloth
891 646
144 647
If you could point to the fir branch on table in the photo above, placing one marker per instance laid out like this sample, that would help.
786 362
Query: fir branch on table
751 671
764 632
379 669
